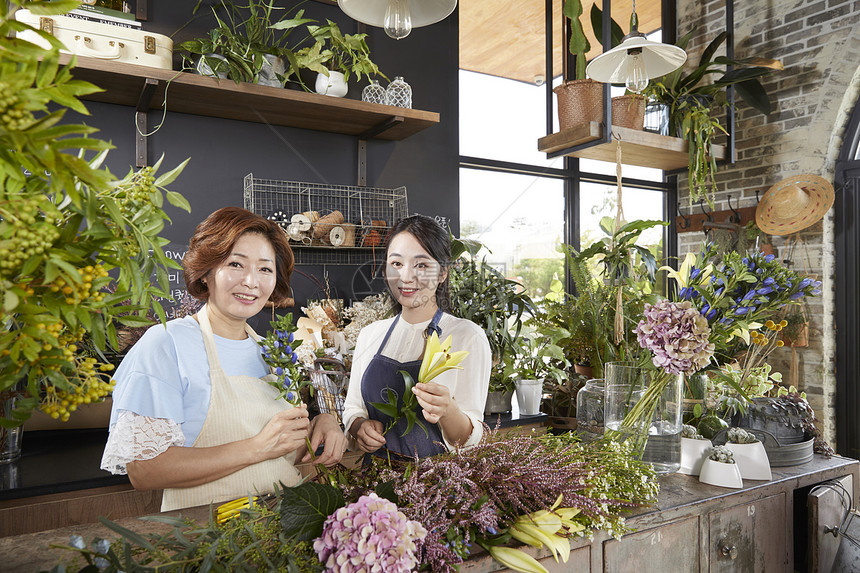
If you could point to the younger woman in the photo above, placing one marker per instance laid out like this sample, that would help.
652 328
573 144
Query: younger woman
451 406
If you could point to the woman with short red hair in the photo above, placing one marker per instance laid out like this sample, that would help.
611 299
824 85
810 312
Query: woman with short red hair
191 411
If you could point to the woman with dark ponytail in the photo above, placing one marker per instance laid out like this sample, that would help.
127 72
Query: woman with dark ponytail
418 255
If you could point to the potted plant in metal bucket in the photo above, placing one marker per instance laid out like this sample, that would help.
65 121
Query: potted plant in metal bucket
248 44
691 100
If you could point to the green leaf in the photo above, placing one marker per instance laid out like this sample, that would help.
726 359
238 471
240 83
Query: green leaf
178 200
305 508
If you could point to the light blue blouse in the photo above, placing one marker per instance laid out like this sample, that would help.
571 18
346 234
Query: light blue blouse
166 374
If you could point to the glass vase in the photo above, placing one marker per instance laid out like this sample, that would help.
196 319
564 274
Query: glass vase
589 410
10 438
373 93
644 405
398 93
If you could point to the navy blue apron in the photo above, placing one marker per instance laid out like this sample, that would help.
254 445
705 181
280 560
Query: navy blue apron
383 373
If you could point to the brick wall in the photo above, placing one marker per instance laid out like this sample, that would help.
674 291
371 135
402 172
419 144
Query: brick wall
819 45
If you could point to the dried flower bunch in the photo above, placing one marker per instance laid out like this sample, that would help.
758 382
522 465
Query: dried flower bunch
364 312
722 454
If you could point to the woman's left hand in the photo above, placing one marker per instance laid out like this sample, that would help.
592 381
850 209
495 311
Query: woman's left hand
435 399
325 430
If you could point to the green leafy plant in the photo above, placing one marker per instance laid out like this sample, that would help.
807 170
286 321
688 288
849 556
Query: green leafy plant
579 45
335 51
693 97
538 354
244 35
483 295
77 245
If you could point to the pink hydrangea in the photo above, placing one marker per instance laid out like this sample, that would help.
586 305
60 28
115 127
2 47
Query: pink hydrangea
677 334
369 535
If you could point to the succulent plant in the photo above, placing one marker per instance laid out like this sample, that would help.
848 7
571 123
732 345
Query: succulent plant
688 431
741 436
722 454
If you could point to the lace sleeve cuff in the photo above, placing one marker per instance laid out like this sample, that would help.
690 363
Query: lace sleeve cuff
135 437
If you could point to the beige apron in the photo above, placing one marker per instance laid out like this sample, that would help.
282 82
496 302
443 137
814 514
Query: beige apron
239 407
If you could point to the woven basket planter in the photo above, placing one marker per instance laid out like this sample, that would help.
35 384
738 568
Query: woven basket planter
629 111
581 101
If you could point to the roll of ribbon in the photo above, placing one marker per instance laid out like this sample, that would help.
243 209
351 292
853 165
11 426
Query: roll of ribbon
280 218
336 236
324 226
295 233
301 222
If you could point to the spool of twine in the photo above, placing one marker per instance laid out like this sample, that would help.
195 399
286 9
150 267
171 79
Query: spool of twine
300 222
325 224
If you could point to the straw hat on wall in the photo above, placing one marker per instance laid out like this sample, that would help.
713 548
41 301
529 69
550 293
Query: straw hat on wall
794 204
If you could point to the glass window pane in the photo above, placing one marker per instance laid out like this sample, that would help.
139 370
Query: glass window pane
599 201
520 219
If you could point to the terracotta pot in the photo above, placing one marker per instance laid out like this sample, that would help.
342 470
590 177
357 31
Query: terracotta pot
799 341
583 370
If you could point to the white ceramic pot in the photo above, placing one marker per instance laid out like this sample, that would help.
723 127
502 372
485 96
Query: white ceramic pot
529 393
721 474
752 460
693 455
332 85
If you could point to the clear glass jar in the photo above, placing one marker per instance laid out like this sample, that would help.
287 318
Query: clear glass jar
373 93
589 410
398 93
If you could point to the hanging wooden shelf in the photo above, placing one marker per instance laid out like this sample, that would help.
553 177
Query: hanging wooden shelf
126 84
641 148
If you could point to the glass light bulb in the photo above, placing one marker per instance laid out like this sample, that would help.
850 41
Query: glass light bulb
637 77
398 20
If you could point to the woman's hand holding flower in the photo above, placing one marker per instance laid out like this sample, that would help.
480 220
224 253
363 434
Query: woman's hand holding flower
435 400
284 433
324 429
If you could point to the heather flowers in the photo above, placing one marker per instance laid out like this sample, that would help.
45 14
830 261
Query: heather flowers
678 336
279 352
369 535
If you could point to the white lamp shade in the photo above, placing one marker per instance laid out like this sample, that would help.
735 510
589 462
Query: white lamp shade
659 59
423 12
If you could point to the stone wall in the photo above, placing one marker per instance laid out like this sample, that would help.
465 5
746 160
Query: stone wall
819 45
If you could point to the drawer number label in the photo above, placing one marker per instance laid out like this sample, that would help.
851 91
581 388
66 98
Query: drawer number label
751 510
656 537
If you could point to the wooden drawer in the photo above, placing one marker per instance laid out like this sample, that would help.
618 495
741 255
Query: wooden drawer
670 548
749 538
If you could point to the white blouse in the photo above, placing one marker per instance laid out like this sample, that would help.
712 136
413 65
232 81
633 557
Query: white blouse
468 387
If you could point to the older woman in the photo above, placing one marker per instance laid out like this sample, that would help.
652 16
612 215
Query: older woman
192 413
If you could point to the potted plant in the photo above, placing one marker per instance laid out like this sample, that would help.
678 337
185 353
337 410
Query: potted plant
538 356
335 57
756 239
795 333
68 230
248 43
749 454
720 469
483 295
691 100
695 449
580 100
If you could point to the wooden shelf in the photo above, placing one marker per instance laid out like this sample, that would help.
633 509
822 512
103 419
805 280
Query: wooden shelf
213 97
641 148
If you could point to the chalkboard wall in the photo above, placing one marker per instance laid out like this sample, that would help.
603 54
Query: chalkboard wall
223 151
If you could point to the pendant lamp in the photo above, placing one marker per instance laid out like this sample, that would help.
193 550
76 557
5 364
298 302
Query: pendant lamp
636 60
398 17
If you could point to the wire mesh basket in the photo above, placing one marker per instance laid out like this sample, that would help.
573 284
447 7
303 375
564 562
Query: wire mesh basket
330 380
327 217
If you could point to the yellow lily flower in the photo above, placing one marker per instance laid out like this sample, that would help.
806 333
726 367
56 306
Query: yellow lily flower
438 358
682 275
517 560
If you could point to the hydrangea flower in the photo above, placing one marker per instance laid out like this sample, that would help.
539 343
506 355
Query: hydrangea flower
369 535
678 336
